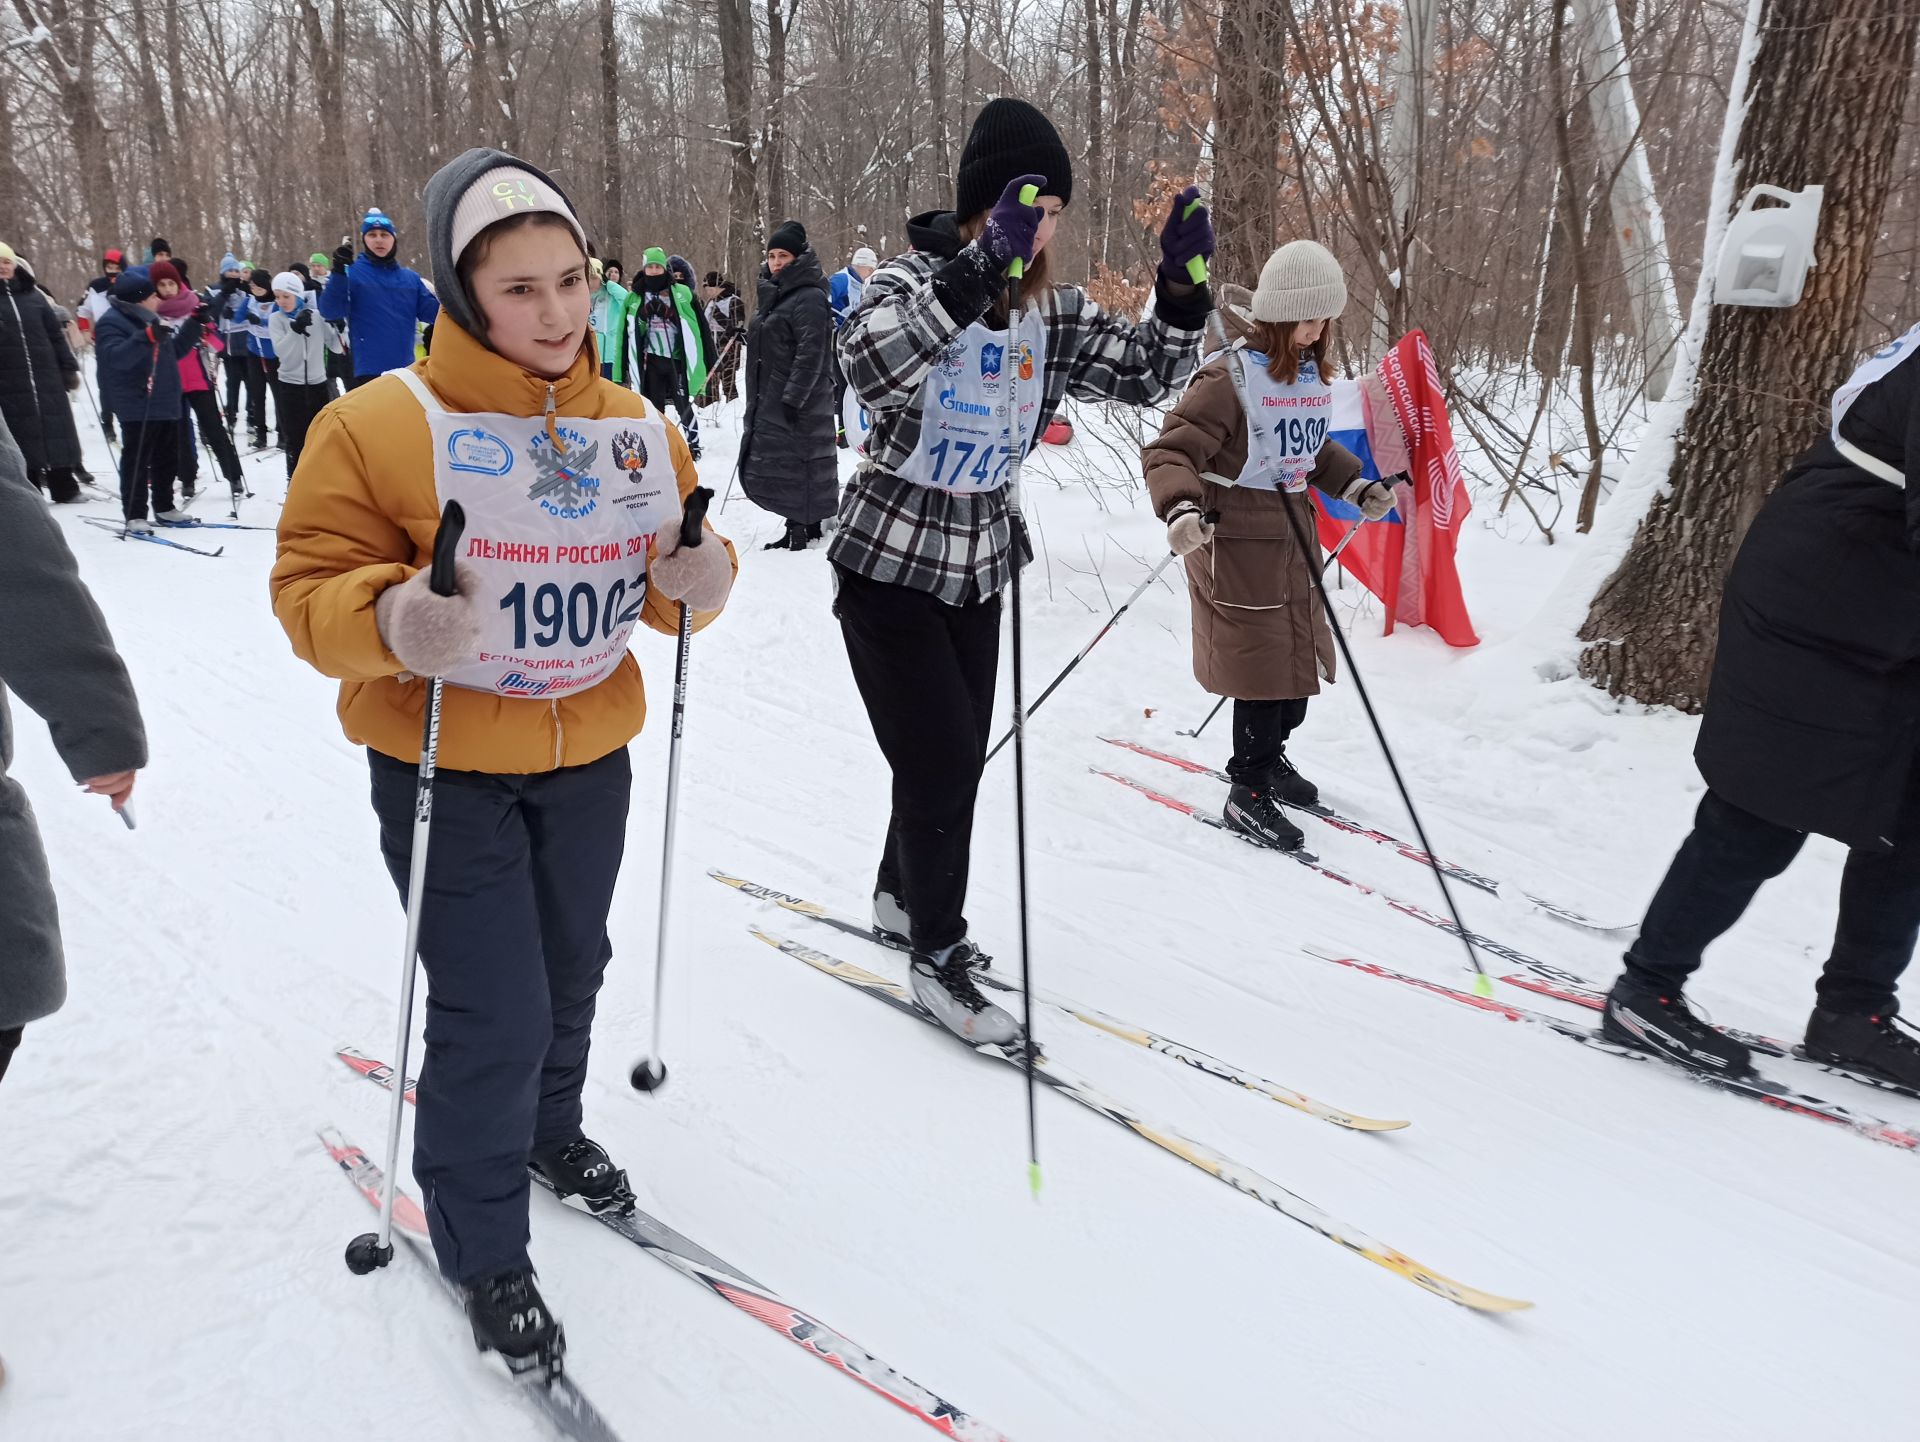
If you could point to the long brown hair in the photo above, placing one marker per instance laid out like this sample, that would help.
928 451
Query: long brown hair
1036 282
1274 340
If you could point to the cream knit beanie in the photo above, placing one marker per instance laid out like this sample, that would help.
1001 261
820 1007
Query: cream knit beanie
1300 281
502 192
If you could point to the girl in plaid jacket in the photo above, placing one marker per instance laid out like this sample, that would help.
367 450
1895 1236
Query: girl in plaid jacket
927 528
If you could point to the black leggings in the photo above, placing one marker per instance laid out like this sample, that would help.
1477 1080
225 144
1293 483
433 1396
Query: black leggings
1733 853
926 671
9 1043
215 435
1260 732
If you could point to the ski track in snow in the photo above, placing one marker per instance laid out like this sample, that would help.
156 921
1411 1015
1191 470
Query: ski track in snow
176 1231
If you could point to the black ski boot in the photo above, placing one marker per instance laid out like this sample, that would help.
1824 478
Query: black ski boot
584 1176
1878 1046
509 1317
794 540
1658 1021
1291 787
1258 814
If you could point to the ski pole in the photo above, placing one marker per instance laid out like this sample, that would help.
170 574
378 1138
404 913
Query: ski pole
375 1249
1345 541
1112 621
650 1072
1482 983
1016 447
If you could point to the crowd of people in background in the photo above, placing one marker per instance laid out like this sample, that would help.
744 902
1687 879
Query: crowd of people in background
244 363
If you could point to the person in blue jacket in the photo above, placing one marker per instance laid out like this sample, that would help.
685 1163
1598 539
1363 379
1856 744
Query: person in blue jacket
380 300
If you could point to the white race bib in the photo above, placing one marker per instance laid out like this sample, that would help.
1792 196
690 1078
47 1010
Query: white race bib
963 407
1876 367
559 538
1286 424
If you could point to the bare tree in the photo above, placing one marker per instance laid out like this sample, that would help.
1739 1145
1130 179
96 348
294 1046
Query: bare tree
612 167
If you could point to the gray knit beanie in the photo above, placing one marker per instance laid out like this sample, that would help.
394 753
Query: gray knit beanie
1300 281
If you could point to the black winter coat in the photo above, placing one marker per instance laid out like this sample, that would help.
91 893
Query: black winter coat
1813 715
140 363
789 466
35 361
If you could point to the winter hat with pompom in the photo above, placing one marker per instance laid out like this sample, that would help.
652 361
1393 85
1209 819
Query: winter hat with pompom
1300 281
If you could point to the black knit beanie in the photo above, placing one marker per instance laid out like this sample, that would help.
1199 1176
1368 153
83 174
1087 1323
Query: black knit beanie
1010 139
262 279
790 237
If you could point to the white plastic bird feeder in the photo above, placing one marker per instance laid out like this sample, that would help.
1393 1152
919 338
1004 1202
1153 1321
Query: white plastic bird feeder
1768 252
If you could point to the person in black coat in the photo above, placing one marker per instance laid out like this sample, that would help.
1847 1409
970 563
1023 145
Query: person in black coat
1812 725
37 369
140 383
787 462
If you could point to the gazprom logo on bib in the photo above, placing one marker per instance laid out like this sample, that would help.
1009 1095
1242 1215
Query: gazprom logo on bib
519 683
950 401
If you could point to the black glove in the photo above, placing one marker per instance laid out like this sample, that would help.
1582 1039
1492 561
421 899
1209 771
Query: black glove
301 323
204 313
229 284
342 256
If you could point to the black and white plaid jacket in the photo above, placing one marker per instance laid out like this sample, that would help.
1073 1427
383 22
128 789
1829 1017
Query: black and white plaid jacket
957 545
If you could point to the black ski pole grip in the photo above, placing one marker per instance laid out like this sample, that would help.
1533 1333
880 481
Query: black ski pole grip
693 520
446 546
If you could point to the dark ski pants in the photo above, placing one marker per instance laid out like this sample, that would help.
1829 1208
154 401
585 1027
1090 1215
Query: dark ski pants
1260 732
926 671
299 405
513 939
662 384
248 371
59 482
206 411
149 456
9 1044
1733 853
100 390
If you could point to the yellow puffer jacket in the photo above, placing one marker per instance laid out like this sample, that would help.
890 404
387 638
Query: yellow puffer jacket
361 515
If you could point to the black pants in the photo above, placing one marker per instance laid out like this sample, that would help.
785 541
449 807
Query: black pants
9 1044
926 672
1733 853
513 939
300 404
100 390
245 369
1260 732
59 482
218 439
662 383
149 456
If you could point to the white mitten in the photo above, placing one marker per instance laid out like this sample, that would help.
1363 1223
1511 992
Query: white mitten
1188 531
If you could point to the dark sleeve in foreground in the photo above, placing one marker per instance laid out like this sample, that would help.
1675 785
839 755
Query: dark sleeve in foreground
55 652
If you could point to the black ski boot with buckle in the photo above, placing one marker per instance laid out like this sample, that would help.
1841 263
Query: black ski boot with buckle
583 1176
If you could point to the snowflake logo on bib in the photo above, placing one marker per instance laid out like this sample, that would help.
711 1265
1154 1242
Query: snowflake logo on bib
630 454
566 486
954 358
991 358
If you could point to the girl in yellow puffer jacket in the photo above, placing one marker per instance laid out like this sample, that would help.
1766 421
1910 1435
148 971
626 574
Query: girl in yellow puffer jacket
573 490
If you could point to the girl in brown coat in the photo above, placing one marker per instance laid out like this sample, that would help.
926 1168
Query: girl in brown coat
1225 490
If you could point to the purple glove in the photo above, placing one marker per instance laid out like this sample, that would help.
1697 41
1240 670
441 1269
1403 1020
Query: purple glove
1011 226
1185 236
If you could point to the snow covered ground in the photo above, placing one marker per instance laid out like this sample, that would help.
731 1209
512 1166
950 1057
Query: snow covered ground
1701 1266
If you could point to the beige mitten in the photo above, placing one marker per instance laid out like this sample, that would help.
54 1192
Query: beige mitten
1372 497
430 633
699 576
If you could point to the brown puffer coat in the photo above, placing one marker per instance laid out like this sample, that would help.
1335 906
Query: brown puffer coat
1258 630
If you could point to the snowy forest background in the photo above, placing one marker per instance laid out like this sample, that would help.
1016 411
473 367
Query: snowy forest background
1474 163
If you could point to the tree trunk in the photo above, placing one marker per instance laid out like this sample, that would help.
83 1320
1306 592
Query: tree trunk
1765 376
1400 153
937 94
775 148
1249 107
328 55
1096 125
736 83
613 237
67 56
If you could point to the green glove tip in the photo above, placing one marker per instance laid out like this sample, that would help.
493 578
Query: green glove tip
1033 1179
1029 194
1482 984
1196 264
